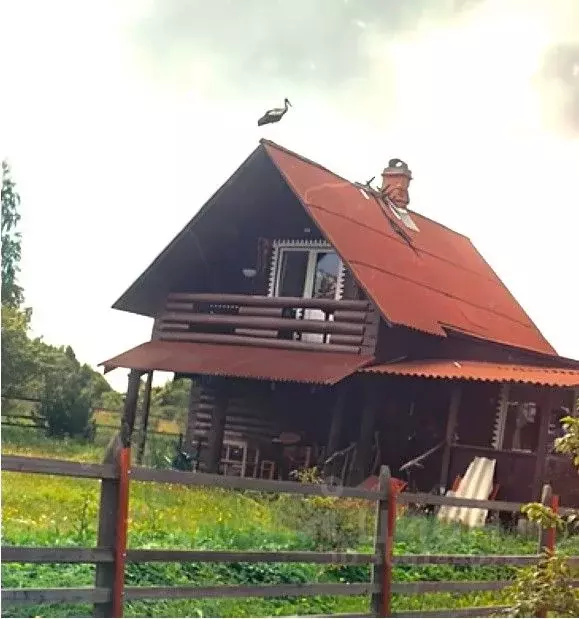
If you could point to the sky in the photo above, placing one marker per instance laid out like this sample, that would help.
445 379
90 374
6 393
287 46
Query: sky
120 118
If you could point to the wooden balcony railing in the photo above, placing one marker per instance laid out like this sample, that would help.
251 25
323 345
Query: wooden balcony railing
279 322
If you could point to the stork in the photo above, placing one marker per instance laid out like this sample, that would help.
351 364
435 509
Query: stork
274 115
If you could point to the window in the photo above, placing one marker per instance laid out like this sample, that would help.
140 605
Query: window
516 422
306 270
312 270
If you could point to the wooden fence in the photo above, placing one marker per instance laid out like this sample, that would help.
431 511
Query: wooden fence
110 556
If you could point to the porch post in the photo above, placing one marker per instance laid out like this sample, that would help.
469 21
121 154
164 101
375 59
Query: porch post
364 446
144 417
545 405
217 430
454 407
192 408
336 424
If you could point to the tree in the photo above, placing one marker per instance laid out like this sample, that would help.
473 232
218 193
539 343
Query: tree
12 295
547 588
32 368
66 392
17 356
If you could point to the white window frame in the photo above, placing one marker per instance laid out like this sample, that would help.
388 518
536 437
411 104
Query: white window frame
314 248
226 461
503 406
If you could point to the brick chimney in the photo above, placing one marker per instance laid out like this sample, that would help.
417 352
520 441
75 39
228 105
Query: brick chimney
395 180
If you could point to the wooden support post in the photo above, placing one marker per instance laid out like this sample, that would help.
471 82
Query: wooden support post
114 504
217 430
192 408
382 572
145 418
364 447
130 408
336 425
545 406
453 410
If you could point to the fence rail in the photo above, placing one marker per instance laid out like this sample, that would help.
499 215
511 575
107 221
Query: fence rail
108 599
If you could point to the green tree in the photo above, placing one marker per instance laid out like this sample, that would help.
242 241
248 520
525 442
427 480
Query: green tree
12 295
171 400
66 392
546 590
111 401
18 360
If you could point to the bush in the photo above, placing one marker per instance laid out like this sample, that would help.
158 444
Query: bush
66 401
544 590
332 523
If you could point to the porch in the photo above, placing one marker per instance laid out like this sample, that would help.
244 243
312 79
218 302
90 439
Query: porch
267 400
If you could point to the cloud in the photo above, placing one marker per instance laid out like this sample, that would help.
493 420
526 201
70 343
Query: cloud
257 45
355 53
558 79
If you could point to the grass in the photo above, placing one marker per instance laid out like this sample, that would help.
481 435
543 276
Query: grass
56 511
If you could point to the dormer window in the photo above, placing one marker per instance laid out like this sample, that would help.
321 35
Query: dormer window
404 216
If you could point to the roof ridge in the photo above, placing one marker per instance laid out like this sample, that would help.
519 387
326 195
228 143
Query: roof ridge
302 158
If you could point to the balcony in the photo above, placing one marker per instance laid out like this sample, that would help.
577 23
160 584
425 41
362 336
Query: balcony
331 325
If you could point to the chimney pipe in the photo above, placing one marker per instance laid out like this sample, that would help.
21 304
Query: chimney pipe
395 180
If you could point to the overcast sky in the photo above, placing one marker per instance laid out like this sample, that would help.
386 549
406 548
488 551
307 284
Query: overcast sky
121 118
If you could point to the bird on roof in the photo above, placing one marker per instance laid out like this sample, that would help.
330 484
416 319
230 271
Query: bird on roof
274 115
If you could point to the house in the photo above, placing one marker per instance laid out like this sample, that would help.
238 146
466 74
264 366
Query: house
323 321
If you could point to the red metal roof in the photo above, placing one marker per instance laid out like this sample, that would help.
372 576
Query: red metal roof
443 282
325 368
481 370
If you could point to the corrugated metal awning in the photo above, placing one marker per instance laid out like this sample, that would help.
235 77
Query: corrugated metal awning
482 371
324 368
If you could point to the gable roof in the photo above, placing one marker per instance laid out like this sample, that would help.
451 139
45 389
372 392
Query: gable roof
439 284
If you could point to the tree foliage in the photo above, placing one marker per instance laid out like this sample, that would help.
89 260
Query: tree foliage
31 368
12 295
547 588
18 361
569 442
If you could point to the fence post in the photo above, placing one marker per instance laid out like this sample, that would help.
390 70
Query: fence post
380 604
108 509
392 491
113 508
545 537
121 531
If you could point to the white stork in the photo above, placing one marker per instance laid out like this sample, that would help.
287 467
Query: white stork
275 115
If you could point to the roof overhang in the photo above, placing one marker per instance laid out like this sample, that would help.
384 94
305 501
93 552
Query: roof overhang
323 368
447 369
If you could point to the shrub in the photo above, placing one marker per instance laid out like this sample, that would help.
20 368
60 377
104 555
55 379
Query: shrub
544 590
66 406
332 523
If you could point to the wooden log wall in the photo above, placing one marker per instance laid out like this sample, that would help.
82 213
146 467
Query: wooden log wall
243 420
350 325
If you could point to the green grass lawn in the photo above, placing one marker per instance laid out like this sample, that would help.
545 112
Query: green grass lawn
47 510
